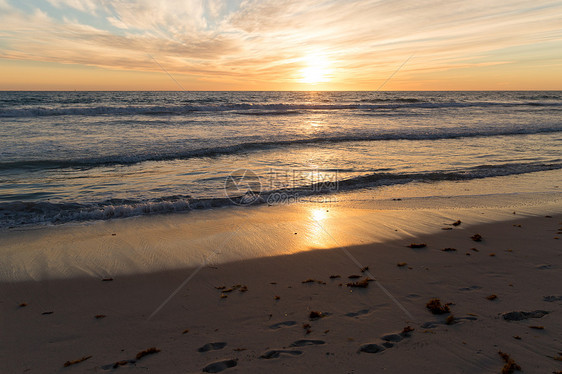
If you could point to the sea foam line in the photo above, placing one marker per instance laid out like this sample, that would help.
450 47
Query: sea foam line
29 213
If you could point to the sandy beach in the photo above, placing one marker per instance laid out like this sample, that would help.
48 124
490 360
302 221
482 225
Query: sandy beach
349 309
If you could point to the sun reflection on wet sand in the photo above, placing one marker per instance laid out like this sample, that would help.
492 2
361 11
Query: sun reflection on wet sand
318 214
317 234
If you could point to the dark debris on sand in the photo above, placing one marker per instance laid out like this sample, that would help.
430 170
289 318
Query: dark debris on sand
314 315
120 363
360 284
476 237
510 365
435 307
236 287
73 362
449 249
147 352
407 330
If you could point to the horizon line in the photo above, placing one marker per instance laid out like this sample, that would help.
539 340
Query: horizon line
374 90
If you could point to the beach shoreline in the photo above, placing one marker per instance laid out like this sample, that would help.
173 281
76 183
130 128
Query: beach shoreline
269 308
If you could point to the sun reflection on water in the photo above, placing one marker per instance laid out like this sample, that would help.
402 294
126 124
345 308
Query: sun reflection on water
315 123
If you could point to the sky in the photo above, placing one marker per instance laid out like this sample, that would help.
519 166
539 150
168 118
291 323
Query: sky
280 45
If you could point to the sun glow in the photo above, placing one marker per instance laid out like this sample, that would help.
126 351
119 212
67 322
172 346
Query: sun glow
318 214
316 70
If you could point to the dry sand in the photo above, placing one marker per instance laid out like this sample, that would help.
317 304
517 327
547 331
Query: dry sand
260 321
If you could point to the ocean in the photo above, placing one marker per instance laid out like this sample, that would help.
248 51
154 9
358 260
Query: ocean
83 156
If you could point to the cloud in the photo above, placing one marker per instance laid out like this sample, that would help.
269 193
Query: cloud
82 5
215 8
269 41
5 6
117 23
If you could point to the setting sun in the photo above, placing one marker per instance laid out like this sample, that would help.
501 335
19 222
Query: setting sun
316 70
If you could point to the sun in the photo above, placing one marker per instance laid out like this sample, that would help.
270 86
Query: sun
316 69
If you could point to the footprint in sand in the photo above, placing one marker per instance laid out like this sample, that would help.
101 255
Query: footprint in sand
282 324
544 267
519 316
117 364
392 338
358 313
276 353
212 347
371 348
389 341
217 367
305 342
434 324
471 288
280 353
551 299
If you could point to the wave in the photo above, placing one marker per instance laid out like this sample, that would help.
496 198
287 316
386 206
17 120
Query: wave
14 214
540 97
264 145
265 109
399 100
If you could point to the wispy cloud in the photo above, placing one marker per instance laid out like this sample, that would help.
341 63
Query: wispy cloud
269 41
83 5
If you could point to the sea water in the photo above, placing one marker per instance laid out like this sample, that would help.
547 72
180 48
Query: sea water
78 156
